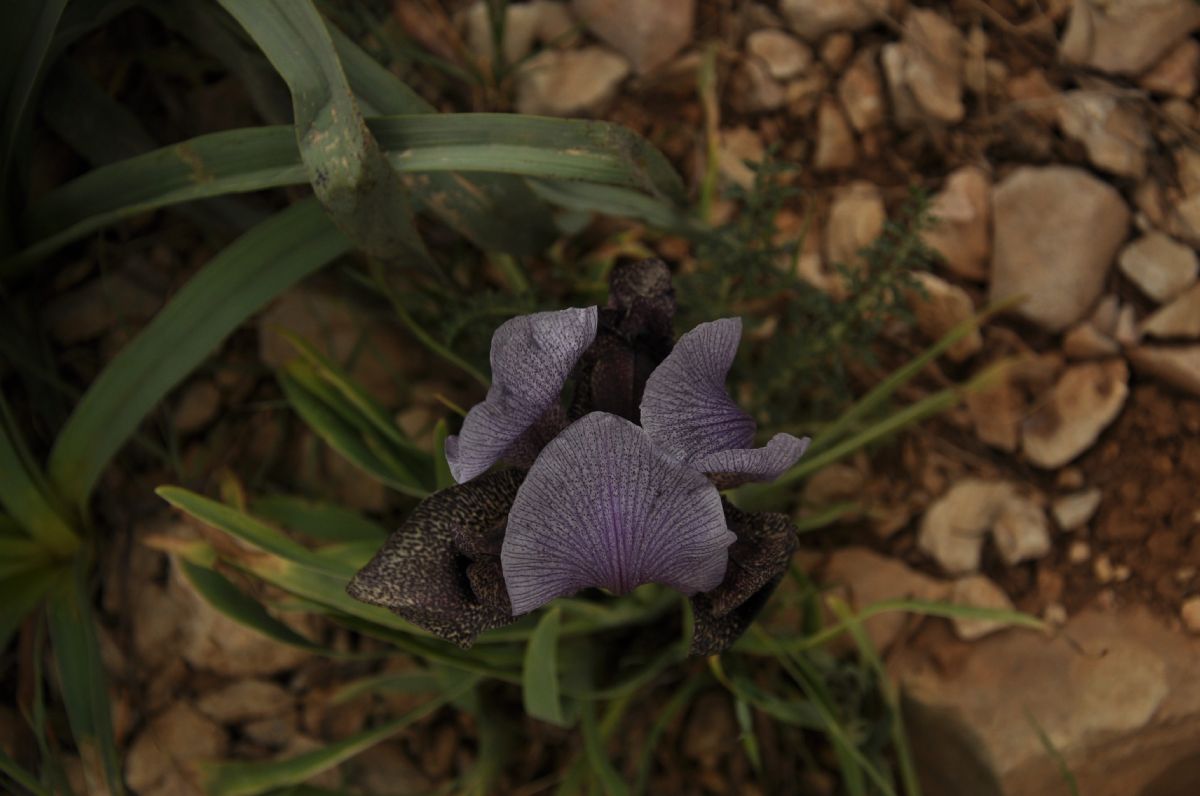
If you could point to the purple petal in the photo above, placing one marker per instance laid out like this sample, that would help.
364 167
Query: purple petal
602 507
688 413
758 561
441 570
531 358
685 408
732 468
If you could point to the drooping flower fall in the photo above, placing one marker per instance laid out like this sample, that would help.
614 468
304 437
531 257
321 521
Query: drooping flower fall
617 488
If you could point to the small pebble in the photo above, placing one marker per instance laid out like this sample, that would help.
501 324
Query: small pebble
1190 612
1055 614
1184 574
1122 573
1103 569
1079 552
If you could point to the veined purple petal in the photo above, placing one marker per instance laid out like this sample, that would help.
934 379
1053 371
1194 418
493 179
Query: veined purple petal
732 468
602 507
685 408
532 355
687 411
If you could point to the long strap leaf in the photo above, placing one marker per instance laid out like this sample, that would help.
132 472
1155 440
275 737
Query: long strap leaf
26 496
236 283
24 46
345 164
83 682
497 212
239 161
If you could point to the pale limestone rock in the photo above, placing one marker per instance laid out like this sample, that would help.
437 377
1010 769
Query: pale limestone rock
856 218
996 412
869 578
1079 552
783 55
1057 230
1177 73
1179 367
977 591
894 58
1114 134
860 90
1021 532
934 50
520 28
836 50
755 90
163 758
943 307
737 147
1126 37
243 700
376 355
569 82
837 482
1086 399
1075 510
211 641
1127 332
953 528
1115 693
812 19
961 232
836 149
1160 267
1104 317
1179 319
1190 613
1085 341
89 311
1186 218
197 406
647 34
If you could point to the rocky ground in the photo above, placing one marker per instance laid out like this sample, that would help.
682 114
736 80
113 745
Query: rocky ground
1061 143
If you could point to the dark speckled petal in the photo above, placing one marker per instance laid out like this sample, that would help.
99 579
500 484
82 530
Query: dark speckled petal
687 412
441 569
602 507
758 560
532 356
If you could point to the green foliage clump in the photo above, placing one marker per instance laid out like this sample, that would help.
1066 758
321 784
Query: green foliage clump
802 370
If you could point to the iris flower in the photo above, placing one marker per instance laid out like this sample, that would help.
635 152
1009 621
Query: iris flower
615 488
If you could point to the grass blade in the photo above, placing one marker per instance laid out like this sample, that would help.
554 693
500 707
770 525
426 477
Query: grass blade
226 598
358 399
323 521
442 476
337 427
244 527
866 650
232 286
596 756
345 164
24 495
251 778
84 686
22 594
539 677
11 769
